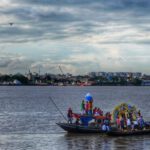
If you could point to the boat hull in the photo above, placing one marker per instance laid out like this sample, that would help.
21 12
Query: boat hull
73 128
128 133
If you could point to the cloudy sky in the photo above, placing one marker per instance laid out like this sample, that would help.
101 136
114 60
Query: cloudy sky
79 35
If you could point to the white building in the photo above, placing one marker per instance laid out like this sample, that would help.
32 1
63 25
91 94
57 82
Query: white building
17 82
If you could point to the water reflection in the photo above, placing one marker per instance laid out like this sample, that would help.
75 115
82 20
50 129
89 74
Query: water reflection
103 142
64 141
88 141
131 142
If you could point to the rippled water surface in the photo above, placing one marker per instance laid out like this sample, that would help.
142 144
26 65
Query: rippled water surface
28 117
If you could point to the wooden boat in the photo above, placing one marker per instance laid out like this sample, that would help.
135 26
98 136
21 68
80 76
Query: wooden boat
117 132
79 128
128 133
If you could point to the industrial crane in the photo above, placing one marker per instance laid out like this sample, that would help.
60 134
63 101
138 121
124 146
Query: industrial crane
61 70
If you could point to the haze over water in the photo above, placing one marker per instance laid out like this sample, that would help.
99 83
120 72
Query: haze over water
28 117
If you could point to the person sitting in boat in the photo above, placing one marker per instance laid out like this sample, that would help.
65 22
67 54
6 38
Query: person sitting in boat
99 122
94 110
108 115
135 125
100 112
69 115
77 122
141 122
106 125
97 112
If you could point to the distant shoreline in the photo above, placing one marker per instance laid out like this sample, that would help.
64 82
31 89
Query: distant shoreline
77 85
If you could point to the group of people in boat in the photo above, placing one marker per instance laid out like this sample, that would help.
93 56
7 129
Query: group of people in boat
98 119
87 109
127 122
127 117
124 117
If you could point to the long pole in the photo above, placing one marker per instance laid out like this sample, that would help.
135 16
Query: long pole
57 107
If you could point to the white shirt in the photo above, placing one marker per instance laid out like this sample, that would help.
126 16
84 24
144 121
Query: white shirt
128 122
135 122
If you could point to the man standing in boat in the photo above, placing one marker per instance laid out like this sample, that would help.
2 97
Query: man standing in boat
69 115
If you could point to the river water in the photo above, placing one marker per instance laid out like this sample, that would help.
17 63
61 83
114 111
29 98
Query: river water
28 117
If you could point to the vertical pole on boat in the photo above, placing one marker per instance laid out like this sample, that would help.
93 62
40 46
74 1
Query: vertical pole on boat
57 107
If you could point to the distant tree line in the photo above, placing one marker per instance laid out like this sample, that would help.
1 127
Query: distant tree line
77 80
11 78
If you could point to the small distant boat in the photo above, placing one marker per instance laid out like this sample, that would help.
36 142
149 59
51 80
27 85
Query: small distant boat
73 128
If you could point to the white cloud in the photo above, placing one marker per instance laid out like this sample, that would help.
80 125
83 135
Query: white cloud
79 35
4 3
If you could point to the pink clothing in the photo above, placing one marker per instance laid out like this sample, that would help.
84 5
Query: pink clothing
118 121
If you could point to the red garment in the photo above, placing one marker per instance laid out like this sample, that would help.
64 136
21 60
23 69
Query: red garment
70 112
76 115
118 121
86 106
94 110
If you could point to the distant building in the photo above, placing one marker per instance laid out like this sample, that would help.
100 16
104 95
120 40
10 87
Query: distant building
92 74
137 75
17 82
116 74
146 77
146 82
102 74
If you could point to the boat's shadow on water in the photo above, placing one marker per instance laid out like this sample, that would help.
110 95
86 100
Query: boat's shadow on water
103 142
